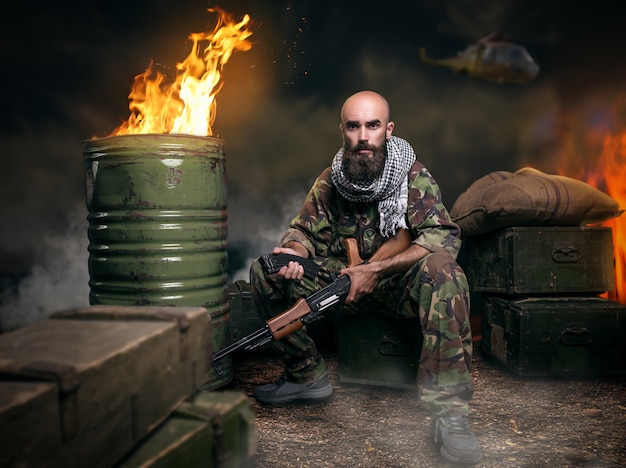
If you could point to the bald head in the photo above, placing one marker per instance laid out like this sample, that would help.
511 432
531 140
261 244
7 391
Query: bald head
365 120
365 100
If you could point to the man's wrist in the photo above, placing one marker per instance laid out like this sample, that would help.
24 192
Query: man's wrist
298 247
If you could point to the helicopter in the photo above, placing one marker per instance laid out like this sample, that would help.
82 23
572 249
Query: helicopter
494 58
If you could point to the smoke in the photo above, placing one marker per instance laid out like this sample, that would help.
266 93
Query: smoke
257 232
58 279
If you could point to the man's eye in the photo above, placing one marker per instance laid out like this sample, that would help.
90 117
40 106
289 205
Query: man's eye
374 125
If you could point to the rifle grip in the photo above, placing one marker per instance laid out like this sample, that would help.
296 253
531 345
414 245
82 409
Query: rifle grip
354 258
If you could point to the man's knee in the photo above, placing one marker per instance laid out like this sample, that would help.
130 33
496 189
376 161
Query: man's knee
441 268
440 262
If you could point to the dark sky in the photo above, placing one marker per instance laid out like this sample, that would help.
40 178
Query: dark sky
67 71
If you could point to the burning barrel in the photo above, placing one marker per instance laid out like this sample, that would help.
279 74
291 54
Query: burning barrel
158 226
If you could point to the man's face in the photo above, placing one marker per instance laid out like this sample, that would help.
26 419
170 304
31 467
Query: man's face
365 126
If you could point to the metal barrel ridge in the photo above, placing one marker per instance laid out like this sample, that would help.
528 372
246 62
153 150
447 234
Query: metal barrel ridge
157 212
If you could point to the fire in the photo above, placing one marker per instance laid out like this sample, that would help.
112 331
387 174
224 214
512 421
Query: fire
597 155
187 105
613 164
606 170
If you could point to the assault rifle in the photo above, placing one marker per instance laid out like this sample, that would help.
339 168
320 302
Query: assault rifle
309 309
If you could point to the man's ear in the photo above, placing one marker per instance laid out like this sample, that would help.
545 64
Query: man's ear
389 131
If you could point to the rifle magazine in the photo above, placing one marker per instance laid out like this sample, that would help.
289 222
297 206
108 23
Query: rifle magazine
272 263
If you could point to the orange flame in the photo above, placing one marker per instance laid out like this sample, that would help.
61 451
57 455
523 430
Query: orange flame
597 155
605 153
188 104
613 164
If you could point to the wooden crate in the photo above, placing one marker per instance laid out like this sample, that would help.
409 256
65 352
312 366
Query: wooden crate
378 350
29 421
541 260
549 336
216 429
117 374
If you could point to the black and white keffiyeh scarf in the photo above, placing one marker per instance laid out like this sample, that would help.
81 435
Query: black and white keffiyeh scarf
390 190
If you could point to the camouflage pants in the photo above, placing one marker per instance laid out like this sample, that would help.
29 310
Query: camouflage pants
435 290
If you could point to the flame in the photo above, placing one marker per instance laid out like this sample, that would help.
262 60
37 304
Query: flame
613 177
187 105
606 170
597 155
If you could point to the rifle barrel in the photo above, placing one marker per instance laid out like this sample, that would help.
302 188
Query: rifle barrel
263 335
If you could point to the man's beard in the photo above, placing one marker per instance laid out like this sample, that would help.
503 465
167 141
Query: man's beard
363 169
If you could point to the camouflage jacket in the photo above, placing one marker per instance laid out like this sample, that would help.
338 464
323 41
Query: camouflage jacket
326 218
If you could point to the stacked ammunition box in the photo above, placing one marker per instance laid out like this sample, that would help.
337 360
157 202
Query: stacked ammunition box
112 385
538 290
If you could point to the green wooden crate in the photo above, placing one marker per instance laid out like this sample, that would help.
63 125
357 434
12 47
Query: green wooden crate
551 336
244 318
217 429
378 350
115 378
541 260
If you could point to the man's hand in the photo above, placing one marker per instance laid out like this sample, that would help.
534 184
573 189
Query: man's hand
293 270
363 280
365 276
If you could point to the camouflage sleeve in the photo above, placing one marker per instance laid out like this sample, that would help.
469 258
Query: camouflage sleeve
429 220
312 226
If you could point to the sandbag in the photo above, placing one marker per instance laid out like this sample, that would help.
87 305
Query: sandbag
529 197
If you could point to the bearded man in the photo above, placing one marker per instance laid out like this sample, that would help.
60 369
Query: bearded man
374 188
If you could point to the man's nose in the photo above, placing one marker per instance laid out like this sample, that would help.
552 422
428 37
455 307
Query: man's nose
362 133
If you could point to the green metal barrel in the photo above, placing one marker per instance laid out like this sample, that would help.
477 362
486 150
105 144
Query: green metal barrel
158 227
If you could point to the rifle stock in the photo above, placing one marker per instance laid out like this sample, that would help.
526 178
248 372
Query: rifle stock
306 310
289 321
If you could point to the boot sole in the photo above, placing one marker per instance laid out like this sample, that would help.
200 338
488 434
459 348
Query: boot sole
313 394
462 460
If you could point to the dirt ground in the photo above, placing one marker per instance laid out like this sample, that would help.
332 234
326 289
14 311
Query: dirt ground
519 421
